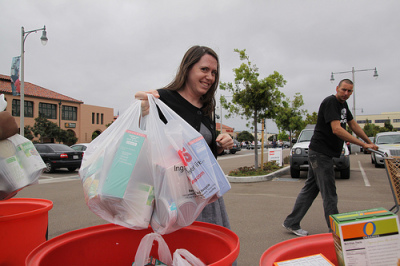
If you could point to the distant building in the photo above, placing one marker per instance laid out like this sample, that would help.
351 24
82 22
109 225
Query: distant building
226 129
380 119
68 113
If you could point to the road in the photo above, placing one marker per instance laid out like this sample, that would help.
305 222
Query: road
256 210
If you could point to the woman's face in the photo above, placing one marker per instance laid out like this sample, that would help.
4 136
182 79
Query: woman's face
202 76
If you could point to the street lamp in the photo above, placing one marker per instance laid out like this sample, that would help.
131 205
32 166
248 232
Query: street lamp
354 84
24 35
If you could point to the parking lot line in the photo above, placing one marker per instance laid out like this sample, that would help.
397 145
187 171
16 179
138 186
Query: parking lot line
364 175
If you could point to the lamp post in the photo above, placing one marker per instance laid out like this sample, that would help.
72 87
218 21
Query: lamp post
24 35
354 84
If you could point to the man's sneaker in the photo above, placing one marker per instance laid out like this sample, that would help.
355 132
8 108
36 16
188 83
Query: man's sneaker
298 232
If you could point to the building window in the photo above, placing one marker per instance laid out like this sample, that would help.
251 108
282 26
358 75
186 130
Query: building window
102 119
28 110
382 120
92 118
97 118
48 110
363 121
69 113
396 120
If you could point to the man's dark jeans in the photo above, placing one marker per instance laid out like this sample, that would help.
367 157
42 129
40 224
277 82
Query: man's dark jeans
321 178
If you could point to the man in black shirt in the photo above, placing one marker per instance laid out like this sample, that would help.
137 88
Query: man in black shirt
326 143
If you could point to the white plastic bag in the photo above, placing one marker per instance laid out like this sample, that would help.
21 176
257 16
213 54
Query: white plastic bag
116 173
144 249
20 165
184 177
183 257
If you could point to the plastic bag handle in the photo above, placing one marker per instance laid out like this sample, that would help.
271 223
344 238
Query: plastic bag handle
144 249
183 257
168 113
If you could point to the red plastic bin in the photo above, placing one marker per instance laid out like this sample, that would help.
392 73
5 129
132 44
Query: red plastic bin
300 247
112 244
23 227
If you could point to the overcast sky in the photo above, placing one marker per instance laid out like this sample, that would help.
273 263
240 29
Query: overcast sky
103 52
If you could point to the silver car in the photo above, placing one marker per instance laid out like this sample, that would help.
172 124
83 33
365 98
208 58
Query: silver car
389 143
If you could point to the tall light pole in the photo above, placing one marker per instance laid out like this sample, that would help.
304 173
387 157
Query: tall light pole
354 84
24 35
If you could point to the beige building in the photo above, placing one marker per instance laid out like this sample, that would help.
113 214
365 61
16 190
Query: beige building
68 113
380 119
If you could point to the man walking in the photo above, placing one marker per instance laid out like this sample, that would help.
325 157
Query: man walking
326 143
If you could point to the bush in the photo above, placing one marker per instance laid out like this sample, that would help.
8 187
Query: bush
269 167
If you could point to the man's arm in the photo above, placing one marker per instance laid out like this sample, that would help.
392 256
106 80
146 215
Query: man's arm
8 126
346 136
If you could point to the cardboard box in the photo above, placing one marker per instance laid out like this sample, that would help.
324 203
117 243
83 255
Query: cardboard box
369 237
315 260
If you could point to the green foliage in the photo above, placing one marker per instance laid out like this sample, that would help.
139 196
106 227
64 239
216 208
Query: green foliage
310 119
47 129
95 135
28 132
290 116
253 98
245 136
269 167
283 136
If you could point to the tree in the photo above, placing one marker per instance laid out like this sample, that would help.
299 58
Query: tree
283 136
371 129
252 98
311 119
28 132
290 116
245 136
45 129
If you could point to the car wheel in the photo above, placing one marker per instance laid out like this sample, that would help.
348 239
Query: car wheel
49 168
345 173
372 159
71 169
377 165
294 173
232 152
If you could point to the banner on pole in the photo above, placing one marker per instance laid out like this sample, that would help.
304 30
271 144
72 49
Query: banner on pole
15 82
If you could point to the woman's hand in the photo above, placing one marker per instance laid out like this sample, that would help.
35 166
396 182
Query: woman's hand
224 142
142 95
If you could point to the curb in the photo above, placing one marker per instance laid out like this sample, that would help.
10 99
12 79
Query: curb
260 178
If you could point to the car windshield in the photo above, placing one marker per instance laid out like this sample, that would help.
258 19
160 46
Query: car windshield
388 139
305 135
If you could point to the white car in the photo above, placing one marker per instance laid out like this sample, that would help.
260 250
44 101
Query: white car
389 143
299 155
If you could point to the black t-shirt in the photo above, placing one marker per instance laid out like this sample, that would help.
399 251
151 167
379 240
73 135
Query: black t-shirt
323 140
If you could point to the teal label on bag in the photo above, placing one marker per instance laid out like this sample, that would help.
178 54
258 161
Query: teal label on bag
123 164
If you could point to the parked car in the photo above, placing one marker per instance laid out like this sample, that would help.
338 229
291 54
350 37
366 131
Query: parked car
389 143
299 155
367 151
236 147
80 147
285 144
59 156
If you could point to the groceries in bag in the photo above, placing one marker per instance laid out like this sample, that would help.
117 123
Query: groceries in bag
116 173
20 165
184 178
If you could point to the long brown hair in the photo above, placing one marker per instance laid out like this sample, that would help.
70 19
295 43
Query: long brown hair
191 57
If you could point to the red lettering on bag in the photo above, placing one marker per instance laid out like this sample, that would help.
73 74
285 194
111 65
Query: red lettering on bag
197 177
187 156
